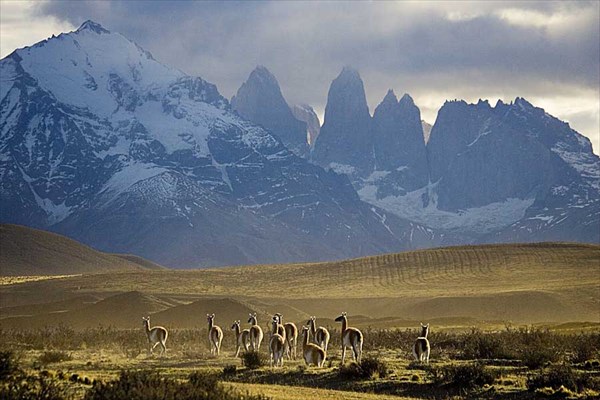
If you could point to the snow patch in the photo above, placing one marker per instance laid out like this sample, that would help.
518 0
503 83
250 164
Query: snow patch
483 219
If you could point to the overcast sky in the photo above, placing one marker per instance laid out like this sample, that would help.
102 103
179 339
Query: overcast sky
547 52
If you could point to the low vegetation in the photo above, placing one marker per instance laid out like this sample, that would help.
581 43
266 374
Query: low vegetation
62 363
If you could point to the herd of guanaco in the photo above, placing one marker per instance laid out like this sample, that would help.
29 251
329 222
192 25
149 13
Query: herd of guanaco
283 339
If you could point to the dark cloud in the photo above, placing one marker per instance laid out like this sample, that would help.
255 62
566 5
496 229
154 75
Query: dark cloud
531 49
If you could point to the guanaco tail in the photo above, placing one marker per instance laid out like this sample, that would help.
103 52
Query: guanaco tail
351 337
291 337
256 333
215 335
312 353
156 335
276 349
242 337
421 347
320 335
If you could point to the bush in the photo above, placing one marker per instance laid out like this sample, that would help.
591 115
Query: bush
49 357
229 370
478 345
369 368
16 384
142 385
559 375
464 376
8 364
539 357
254 359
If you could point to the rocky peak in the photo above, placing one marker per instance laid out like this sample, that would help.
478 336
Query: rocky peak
260 100
345 137
398 143
92 26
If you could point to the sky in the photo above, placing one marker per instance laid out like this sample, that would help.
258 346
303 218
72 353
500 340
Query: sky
547 52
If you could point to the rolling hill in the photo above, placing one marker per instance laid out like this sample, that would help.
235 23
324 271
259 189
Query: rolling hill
520 283
28 251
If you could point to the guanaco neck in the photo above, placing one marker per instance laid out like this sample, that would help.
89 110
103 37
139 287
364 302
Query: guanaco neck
344 326
236 329
313 328
254 321
424 332
210 324
305 339
147 327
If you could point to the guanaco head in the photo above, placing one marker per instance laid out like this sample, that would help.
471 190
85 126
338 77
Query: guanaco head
252 318
279 317
424 330
210 318
145 321
305 330
236 324
311 320
341 318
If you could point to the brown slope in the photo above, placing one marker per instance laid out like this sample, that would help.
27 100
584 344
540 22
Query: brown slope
28 251
124 310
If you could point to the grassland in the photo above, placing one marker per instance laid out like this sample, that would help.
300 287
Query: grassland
517 298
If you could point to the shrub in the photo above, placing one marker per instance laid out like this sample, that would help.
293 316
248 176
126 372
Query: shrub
254 359
369 368
150 385
538 357
464 376
229 369
478 345
8 364
16 384
559 375
49 357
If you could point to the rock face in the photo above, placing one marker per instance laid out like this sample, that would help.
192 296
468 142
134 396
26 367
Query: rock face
506 173
260 100
102 143
306 114
398 143
345 142
502 173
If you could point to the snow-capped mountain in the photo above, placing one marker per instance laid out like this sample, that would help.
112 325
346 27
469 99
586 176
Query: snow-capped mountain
506 173
259 100
101 142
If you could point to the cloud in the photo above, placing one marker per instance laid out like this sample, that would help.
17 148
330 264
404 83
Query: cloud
544 51
21 25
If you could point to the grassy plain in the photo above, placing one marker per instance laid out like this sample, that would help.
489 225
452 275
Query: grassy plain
523 298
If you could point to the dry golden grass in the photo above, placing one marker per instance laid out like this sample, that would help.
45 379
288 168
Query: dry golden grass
14 280
524 283
281 392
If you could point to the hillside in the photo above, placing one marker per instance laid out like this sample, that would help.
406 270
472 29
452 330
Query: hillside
28 251
524 283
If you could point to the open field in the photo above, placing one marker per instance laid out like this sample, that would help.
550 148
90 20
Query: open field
501 305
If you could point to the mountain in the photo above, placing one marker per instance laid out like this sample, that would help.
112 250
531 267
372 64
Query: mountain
102 143
27 251
345 141
306 114
506 173
399 146
259 100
